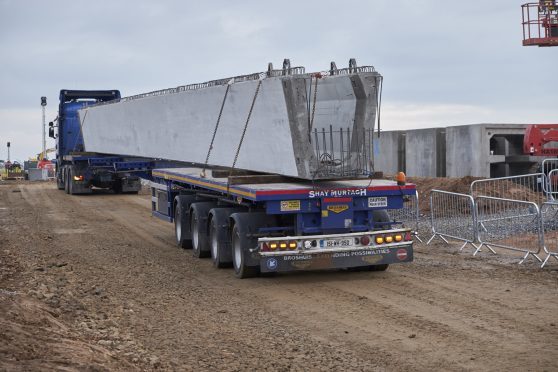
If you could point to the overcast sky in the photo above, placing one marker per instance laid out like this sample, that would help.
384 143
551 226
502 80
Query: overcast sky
444 62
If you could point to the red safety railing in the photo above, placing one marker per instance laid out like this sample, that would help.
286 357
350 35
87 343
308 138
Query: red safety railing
540 23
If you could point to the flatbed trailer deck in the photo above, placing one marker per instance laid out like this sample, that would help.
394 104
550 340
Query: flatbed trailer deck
283 226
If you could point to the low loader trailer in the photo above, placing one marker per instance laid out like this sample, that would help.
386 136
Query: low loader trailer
258 224
267 172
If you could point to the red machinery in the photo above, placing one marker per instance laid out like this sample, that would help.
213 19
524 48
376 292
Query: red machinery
540 23
537 139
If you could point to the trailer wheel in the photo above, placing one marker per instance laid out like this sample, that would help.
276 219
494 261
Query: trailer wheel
220 236
182 220
239 252
383 267
245 264
198 226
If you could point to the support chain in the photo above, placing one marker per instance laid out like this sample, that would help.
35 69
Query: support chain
317 76
244 131
215 131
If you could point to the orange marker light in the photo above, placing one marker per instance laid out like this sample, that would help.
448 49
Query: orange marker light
401 178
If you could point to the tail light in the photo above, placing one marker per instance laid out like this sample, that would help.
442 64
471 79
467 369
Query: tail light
398 237
408 236
379 239
78 178
282 245
365 240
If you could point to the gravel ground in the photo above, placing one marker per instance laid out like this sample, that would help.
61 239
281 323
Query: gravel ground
95 283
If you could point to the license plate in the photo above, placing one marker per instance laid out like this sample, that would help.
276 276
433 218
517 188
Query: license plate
338 243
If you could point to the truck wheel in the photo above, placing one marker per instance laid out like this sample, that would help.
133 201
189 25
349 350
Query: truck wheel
59 181
199 212
220 236
67 178
182 220
71 185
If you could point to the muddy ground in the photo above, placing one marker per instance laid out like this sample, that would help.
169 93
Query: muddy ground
95 283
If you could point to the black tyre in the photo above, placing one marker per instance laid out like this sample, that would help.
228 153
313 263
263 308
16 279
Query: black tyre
67 182
199 213
381 220
71 181
59 181
239 251
220 236
383 267
182 220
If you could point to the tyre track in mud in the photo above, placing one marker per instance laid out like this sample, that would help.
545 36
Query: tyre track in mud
444 311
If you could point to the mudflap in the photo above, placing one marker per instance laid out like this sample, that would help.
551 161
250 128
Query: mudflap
336 260
131 184
81 188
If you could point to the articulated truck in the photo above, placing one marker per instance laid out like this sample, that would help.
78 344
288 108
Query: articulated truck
78 172
267 172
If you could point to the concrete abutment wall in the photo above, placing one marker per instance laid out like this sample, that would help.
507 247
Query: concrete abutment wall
479 150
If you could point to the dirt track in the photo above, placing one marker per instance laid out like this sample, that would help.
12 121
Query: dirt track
94 282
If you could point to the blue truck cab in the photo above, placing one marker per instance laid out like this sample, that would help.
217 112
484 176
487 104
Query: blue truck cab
77 171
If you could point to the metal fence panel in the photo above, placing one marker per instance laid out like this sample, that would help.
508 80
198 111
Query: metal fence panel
549 221
452 215
408 216
527 187
549 164
553 184
509 224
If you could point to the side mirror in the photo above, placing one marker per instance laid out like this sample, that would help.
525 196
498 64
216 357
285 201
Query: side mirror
51 132
50 124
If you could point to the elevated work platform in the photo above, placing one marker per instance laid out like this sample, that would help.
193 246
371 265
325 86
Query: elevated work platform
540 23
287 122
